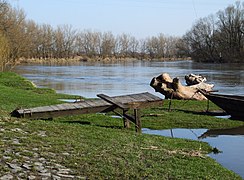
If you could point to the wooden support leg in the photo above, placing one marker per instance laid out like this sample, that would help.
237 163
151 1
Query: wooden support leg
138 120
126 121
207 106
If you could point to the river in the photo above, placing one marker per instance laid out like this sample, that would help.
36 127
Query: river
88 79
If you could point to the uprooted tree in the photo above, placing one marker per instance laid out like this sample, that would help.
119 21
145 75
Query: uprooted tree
173 89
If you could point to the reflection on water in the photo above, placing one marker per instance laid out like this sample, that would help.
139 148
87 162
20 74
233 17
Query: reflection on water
229 141
88 79
216 132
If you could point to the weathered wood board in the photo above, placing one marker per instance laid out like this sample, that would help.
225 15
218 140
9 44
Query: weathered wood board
140 100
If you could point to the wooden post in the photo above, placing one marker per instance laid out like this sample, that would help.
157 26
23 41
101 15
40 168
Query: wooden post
207 106
126 121
170 102
137 120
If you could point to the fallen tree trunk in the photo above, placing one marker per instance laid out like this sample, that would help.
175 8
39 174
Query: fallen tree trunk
173 89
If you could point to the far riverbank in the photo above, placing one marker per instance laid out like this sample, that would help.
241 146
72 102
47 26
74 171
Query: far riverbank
79 59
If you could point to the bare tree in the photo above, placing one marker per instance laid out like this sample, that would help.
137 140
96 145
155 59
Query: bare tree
4 52
133 47
123 45
220 37
108 44
12 28
63 43
231 31
45 41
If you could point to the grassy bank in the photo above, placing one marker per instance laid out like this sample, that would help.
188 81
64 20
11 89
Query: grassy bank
95 146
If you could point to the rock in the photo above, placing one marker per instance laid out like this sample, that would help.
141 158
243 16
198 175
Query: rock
31 177
55 177
42 133
7 177
42 159
15 167
64 171
66 154
18 130
46 174
66 176
16 142
6 157
39 167
35 149
26 166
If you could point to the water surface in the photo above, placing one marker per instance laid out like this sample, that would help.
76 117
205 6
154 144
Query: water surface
88 79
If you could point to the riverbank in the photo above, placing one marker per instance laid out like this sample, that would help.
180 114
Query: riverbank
78 59
95 145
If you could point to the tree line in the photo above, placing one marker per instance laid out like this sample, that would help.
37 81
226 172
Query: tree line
219 37
216 38
23 38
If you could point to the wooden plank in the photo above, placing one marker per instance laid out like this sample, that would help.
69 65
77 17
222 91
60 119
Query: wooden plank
152 96
77 105
107 103
123 99
140 97
21 111
70 106
136 97
100 102
62 107
97 103
111 100
109 109
54 107
139 100
51 114
88 104
146 97
40 109
80 105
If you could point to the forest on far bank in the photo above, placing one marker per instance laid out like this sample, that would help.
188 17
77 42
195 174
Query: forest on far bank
216 38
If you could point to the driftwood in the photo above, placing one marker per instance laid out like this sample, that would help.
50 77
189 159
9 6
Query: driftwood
173 89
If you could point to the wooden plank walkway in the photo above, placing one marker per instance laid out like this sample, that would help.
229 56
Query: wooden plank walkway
66 109
105 104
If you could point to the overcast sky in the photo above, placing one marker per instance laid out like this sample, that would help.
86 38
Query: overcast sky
140 18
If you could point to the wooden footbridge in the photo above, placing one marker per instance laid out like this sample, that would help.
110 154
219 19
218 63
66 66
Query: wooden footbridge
105 104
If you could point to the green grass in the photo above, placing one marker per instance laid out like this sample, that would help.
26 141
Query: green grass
17 92
95 146
191 115
98 152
